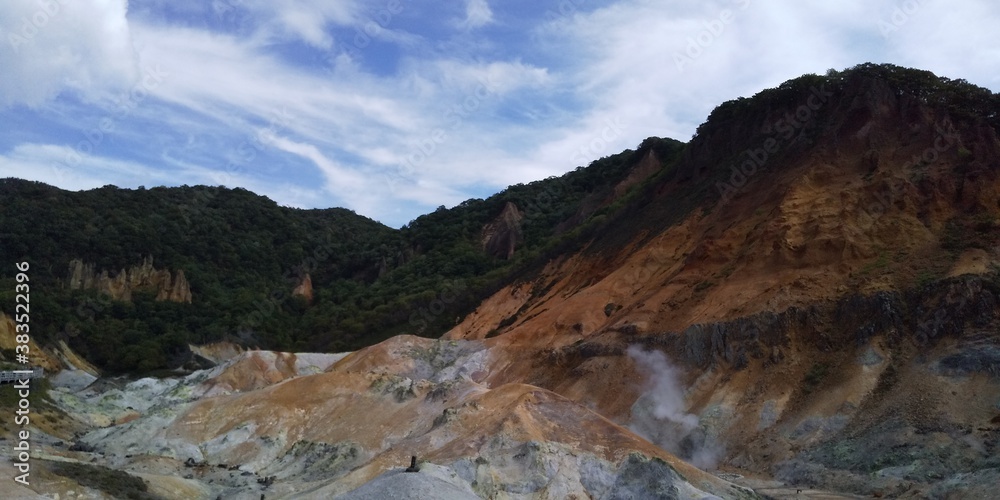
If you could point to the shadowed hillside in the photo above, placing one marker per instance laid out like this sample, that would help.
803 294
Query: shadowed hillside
99 259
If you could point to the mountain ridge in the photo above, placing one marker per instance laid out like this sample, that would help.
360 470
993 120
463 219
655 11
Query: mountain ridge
808 290
399 272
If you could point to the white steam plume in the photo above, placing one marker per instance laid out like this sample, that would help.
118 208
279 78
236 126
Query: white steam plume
660 414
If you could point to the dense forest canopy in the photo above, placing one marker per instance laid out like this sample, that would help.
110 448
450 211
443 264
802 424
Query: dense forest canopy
243 255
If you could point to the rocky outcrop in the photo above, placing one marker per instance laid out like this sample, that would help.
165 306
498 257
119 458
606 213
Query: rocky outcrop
180 291
53 358
304 289
174 288
502 236
265 415
644 169
36 355
848 394
218 352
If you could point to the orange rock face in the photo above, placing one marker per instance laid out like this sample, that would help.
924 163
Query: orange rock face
82 276
798 304
304 289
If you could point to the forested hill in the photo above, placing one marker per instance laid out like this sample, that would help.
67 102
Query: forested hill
243 256
129 277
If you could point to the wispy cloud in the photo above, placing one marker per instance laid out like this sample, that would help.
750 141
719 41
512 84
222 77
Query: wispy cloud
48 161
53 47
424 109
477 14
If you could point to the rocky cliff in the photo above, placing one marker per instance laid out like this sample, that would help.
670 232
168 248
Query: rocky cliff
36 355
54 358
121 285
304 289
502 236
819 274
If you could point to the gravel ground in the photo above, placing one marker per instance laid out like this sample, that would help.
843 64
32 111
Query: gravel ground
431 482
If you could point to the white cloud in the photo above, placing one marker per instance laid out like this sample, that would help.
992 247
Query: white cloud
660 71
950 41
305 20
477 14
664 69
283 193
339 179
68 168
498 77
458 113
379 122
50 47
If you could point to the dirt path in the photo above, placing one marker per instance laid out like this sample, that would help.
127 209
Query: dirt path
777 490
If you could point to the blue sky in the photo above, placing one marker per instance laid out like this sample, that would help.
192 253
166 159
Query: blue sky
394 107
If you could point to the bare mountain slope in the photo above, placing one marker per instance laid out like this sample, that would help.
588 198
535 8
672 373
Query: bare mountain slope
807 294
829 292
